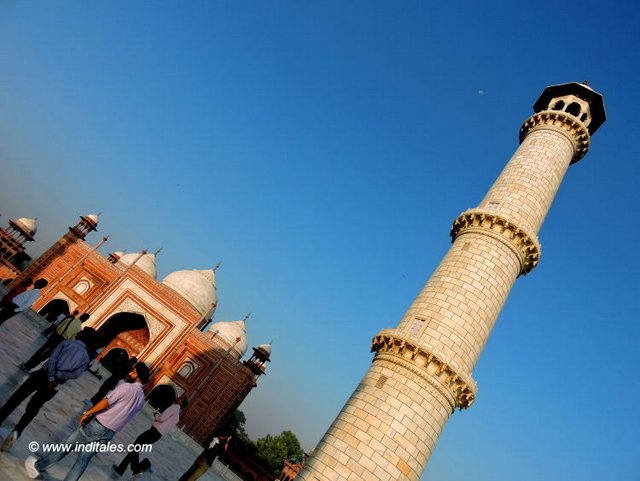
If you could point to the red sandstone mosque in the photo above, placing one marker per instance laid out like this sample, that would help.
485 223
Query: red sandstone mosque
166 324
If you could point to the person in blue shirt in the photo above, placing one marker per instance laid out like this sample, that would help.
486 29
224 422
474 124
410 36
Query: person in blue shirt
68 361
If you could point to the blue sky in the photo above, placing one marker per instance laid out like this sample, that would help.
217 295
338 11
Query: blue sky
321 150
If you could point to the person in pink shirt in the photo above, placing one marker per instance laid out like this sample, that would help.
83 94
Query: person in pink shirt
98 424
163 422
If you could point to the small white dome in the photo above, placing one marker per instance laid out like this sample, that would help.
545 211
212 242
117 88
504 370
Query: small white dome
266 348
26 225
94 218
197 287
147 262
234 334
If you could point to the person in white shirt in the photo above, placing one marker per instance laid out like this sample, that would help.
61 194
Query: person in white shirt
163 422
22 301
219 445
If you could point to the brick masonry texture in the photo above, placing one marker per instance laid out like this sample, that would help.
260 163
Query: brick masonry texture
526 187
459 305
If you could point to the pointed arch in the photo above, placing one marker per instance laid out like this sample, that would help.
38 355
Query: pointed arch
53 309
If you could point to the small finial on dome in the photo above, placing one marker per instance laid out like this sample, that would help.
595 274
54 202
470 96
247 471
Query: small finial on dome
157 252
585 82
217 266
247 316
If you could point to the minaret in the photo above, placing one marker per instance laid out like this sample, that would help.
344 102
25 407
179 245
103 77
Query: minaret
13 238
88 223
422 369
77 233
258 361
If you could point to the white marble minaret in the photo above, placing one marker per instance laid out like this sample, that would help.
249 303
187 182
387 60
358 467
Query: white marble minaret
421 371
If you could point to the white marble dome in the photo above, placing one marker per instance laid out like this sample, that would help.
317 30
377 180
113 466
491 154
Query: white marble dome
233 333
265 348
147 262
197 287
26 225
95 218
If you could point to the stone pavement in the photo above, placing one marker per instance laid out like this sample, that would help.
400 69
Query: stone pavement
19 337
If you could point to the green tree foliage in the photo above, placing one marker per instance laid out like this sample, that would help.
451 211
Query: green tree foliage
270 450
274 449
235 427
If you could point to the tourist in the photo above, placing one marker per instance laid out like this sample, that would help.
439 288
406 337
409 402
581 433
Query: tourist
65 331
22 301
68 360
204 461
56 322
19 288
120 367
163 423
97 425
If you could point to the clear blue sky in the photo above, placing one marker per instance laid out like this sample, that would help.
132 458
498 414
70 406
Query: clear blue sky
321 150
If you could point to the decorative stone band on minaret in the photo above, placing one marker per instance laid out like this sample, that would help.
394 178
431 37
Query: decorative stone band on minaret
423 360
524 246
561 123
421 370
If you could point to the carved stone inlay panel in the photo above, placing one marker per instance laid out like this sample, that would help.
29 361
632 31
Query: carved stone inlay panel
460 389
188 367
575 130
83 285
526 247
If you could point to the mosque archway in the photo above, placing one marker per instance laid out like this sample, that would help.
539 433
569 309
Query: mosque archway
126 330
53 309
248 476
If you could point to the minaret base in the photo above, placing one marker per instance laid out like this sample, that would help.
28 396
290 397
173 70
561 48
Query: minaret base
387 429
